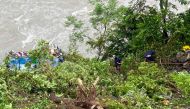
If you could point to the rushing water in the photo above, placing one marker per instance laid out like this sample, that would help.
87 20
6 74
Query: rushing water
23 22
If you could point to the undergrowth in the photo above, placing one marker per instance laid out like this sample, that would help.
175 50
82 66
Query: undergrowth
145 87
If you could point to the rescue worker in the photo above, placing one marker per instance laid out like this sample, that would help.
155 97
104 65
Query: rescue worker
54 53
180 57
150 56
12 61
117 62
60 55
186 49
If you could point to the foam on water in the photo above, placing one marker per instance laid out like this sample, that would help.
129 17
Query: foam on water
29 39
82 11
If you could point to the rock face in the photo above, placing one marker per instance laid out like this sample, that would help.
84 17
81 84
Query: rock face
22 22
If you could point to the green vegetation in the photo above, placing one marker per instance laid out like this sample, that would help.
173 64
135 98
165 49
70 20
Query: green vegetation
124 31
146 86
137 28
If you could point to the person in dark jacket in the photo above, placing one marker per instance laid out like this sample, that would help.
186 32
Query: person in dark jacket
117 62
60 55
150 56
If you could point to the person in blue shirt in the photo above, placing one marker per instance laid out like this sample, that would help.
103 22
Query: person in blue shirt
12 63
21 63
55 57
55 62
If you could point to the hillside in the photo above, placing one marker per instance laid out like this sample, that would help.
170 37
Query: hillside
142 57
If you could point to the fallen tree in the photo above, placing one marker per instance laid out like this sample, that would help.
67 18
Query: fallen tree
86 98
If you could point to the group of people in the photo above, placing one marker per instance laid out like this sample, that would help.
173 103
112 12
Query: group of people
19 60
182 57
150 56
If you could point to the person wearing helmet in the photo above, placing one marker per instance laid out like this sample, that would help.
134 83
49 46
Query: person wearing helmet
186 49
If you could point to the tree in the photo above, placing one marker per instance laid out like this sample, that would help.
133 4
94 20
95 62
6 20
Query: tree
102 18
124 29
135 29
77 32
41 53
165 11
184 27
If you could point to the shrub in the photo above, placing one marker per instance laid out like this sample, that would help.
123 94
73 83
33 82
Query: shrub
114 104
4 104
143 87
182 80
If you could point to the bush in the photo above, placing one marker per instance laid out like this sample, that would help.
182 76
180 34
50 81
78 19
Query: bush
114 104
143 87
4 104
129 63
182 80
43 104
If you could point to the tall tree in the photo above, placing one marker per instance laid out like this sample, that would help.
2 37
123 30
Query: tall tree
78 32
164 11
165 6
134 29
102 18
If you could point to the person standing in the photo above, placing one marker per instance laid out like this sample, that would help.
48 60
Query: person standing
117 61
186 49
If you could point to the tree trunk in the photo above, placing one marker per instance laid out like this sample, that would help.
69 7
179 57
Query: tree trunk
164 11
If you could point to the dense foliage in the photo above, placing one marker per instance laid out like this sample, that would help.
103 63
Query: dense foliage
145 86
134 29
